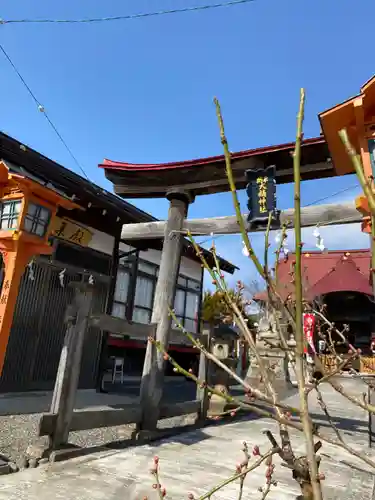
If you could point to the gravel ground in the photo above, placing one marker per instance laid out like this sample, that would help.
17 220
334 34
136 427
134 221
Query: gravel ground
17 432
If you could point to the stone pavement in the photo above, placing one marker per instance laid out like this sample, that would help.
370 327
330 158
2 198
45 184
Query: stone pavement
197 460
40 402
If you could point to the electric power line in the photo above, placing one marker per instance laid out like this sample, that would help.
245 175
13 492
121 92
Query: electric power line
129 16
42 110
332 195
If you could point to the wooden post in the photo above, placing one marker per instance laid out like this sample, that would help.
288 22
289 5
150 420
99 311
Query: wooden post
153 370
204 376
70 364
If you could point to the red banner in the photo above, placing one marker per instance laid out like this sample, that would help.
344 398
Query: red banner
308 329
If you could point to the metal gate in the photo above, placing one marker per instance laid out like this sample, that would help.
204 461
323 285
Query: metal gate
38 331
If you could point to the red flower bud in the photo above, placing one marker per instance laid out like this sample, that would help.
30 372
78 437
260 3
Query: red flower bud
166 356
156 459
214 282
256 451
238 468
163 492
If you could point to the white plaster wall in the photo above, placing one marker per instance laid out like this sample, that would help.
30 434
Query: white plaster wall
104 243
188 267
101 242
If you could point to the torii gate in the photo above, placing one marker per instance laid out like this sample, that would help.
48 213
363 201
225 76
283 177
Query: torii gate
181 182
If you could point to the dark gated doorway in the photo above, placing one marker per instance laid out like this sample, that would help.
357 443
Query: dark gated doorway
38 330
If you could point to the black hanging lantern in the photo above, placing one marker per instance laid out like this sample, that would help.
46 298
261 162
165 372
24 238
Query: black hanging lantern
261 192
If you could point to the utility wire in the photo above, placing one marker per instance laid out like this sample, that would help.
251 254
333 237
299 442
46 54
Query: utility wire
129 16
42 110
332 195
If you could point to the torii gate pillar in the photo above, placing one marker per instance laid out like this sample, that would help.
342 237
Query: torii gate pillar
153 369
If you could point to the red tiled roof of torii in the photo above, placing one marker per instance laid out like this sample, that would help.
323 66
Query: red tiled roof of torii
155 180
334 271
117 165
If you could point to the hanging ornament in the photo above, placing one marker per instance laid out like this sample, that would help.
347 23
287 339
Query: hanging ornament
61 277
284 250
30 266
319 240
320 243
245 251
316 232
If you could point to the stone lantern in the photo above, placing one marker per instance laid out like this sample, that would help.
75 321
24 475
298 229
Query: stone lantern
27 212
224 346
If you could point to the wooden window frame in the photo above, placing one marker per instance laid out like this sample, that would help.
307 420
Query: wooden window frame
153 278
194 291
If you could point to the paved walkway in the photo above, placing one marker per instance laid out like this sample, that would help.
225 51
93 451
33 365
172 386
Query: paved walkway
120 394
197 460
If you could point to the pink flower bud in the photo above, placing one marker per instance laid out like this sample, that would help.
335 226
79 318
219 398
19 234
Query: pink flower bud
156 459
256 451
321 476
232 413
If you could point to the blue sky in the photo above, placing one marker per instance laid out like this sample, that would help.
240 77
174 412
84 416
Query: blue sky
141 90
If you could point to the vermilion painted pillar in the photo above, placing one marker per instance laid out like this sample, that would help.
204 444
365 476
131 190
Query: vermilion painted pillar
16 256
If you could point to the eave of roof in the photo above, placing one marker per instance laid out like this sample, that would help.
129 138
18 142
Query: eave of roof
116 165
343 116
343 277
208 175
30 163
343 270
